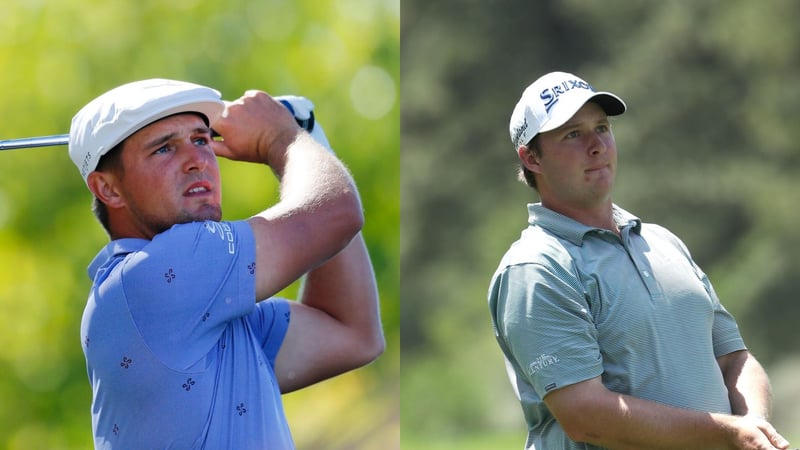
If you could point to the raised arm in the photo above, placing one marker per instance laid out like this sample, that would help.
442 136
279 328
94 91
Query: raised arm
589 412
319 211
336 325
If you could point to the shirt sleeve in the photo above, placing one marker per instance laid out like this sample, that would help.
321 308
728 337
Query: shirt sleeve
546 325
270 322
725 334
187 284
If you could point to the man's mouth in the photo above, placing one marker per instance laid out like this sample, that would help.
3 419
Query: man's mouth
597 168
198 188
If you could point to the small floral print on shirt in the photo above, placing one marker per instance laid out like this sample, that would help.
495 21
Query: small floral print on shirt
170 275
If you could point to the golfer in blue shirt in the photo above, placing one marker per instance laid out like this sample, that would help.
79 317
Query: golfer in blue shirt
185 345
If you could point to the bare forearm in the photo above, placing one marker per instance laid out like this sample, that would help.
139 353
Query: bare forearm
748 384
319 201
589 412
311 178
625 422
318 215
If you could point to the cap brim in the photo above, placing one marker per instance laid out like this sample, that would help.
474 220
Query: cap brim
210 109
611 104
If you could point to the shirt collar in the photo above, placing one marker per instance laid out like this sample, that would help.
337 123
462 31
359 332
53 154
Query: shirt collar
571 229
113 250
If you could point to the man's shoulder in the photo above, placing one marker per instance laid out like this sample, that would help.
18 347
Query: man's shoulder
537 246
194 247
225 234
538 257
210 227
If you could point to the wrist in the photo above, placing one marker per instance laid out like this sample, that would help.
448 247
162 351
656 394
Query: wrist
273 151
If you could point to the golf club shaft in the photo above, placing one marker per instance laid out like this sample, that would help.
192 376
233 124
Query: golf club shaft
31 142
63 139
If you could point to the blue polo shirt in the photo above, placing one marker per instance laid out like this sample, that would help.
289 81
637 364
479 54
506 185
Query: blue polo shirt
179 354
571 302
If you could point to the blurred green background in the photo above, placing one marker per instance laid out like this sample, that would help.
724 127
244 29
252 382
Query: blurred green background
708 148
55 56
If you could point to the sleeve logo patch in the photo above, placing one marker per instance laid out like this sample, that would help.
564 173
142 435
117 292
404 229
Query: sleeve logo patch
540 363
225 233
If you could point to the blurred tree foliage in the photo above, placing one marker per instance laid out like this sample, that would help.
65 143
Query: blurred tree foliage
58 55
708 148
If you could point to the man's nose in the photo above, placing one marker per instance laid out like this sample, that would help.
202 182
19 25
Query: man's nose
198 156
597 144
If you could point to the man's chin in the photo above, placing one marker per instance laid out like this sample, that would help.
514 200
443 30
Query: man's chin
212 213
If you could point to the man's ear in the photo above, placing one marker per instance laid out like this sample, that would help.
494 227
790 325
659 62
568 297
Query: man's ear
104 186
528 158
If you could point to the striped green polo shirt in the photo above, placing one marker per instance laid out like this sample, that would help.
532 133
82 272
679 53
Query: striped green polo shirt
571 302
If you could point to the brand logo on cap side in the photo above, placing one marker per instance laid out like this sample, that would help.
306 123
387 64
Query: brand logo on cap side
85 164
519 130
551 95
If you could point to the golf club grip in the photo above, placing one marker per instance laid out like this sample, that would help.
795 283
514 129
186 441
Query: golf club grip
306 124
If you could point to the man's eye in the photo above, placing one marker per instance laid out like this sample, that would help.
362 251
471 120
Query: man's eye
201 141
572 134
162 149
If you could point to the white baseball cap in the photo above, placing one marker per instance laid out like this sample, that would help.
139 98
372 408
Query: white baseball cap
551 101
114 116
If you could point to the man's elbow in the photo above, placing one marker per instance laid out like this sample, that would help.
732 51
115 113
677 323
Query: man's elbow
377 349
577 431
349 214
356 215
370 349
